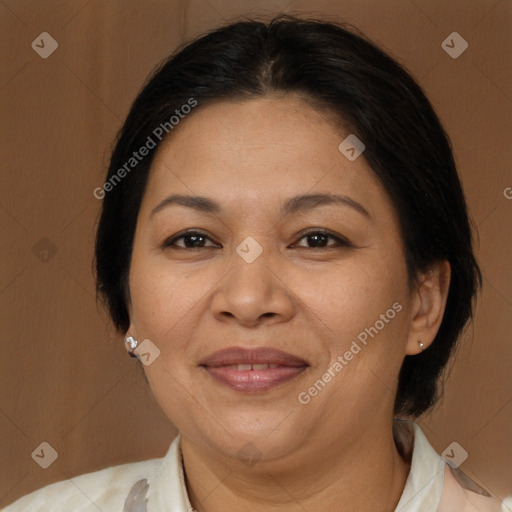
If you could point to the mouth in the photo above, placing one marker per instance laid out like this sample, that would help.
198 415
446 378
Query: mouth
253 370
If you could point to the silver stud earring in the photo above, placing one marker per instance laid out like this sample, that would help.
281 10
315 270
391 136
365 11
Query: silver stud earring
421 345
132 344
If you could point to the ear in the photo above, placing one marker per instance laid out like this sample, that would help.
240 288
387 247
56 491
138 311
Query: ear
428 305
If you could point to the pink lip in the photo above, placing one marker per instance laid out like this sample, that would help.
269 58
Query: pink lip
220 366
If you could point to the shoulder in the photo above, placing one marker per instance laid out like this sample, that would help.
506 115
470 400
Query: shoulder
433 484
462 494
104 490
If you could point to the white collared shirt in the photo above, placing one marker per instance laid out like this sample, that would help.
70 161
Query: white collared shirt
430 487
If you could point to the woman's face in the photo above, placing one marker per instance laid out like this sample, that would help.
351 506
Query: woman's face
254 279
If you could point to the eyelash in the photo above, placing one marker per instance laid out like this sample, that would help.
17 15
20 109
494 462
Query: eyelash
340 241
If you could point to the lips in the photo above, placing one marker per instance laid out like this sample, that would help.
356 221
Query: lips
254 369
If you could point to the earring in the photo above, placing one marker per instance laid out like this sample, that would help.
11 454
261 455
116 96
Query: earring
421 345
132 343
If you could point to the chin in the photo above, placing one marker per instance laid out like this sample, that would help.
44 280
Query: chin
261 442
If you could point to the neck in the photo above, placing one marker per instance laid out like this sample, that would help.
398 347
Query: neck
363 473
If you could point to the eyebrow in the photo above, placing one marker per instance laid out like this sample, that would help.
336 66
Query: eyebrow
294 205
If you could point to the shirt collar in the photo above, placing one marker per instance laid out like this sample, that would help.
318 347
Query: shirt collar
422 491
424 485
167 488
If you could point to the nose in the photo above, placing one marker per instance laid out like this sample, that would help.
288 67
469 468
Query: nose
253 293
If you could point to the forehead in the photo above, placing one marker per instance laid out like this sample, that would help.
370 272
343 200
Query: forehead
263 126
259 149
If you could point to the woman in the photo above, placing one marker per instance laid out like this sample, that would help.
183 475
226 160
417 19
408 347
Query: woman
285 245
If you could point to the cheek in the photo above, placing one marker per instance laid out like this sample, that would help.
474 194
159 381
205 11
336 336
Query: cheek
341 298
349 297
161 298
360 317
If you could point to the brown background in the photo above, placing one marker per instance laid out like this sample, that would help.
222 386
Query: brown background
65 377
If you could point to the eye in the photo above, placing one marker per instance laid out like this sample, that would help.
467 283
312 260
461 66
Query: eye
320 237
191 239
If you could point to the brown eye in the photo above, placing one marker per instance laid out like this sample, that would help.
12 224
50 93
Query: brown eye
320 239
191 240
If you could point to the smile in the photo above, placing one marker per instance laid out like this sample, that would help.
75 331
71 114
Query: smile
253 369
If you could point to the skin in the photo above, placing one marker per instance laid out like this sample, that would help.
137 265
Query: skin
311 300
